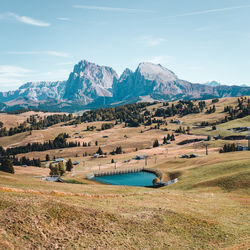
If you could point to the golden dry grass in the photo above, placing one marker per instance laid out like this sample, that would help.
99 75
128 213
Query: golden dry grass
207 209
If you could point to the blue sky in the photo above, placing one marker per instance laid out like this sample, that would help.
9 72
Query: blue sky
199 40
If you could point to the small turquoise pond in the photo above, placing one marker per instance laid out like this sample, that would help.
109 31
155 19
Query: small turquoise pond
139 179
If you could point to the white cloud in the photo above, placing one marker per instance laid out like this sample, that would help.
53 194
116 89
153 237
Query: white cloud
156 60
160 59
212 11
151 41
102 8
13 71
12 76
42 52
26 20
63 18
55 75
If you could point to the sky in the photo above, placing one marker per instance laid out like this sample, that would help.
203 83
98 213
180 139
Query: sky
201 41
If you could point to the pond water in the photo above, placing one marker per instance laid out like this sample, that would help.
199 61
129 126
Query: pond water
139 179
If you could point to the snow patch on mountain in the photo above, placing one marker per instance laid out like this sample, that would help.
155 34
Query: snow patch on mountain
156 72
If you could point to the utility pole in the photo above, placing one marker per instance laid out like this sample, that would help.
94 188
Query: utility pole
206 145
248 138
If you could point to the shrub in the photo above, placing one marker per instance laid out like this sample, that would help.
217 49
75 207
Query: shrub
69 165
156 143
7 165
156 181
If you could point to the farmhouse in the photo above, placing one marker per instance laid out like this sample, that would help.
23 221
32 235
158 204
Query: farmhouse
175 121
141 157
60 160
241 147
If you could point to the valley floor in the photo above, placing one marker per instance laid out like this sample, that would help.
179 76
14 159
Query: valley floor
209 207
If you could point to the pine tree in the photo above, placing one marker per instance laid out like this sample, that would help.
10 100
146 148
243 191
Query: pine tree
99 151
164 140
168 137
118 150
172 137
47 157
69 165
155 144
61 168
54 170
7 165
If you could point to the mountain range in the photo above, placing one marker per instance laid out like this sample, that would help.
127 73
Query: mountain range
92 86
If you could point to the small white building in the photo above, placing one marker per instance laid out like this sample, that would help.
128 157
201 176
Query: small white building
96 155
60 160
141 157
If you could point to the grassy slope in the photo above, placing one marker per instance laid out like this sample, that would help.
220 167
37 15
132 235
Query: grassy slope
208 208
203 210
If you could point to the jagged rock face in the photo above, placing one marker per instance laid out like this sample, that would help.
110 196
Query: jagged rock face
162 84
149 79
89 81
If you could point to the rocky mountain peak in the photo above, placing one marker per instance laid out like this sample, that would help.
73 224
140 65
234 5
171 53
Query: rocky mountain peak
126 73
156 72
89 81
99 75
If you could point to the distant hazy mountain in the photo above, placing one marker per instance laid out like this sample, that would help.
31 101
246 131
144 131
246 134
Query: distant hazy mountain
244 85
213 83
93 86
36 91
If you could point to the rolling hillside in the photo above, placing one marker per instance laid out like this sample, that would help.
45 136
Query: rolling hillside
207 209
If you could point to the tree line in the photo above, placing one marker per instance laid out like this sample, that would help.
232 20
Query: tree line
229 148
59 142
35 123
182 108
241 110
